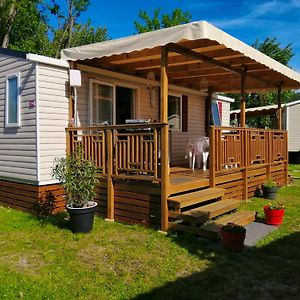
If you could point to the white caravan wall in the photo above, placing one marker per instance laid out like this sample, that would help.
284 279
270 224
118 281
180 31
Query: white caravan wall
18 145
53 117
293 127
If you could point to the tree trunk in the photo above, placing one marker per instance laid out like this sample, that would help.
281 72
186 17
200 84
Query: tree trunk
10 20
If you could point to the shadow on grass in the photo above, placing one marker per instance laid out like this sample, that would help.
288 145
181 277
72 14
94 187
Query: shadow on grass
60 220
268 272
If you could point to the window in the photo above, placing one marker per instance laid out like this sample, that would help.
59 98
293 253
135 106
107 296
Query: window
12 101
110 103
102 103
174 112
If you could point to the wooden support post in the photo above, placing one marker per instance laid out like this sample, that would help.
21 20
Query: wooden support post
279 109
243 101
164 139
71 101
68 141
110 183
212 157
208 111
245 140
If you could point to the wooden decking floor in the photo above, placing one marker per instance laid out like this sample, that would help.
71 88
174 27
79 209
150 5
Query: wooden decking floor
184 179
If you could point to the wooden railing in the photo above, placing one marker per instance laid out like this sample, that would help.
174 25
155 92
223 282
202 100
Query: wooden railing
234 147
125 151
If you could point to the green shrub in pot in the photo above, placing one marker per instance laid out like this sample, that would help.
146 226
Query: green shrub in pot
78 178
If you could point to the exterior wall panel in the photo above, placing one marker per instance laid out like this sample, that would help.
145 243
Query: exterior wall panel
53 117
18 145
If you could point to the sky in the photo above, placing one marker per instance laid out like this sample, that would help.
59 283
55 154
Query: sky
245 20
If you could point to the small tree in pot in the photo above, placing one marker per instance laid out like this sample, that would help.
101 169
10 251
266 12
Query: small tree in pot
78 177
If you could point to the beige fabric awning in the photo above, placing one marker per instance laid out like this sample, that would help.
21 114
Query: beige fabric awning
139 54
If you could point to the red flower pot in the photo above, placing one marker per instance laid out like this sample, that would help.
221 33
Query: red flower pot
273 216
233 241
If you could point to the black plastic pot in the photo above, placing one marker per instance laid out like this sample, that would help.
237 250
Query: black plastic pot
82 219
270 193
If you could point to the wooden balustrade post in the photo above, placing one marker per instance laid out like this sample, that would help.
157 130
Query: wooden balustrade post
245 151
286 159
68 140
212 156
110 183
269 149
164 140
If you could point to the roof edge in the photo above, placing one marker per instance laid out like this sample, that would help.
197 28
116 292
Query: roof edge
15 53
47 60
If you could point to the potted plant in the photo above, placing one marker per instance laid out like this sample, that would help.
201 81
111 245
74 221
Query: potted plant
270 189
78 177
274 213
233 237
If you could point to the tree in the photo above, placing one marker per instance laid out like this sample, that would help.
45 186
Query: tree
156 22
272 48
70 32
21 22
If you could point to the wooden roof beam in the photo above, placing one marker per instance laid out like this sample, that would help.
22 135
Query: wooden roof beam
198 56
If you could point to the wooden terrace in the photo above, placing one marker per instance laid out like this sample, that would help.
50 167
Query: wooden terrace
128 158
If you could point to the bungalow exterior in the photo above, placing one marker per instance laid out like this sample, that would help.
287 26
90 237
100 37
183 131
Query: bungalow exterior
139 100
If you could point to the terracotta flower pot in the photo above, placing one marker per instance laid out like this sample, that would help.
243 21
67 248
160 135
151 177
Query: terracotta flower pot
273 216
233 241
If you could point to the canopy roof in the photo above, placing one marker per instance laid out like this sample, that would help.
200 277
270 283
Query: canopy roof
200 56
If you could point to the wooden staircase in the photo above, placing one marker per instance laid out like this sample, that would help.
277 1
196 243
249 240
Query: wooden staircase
204 212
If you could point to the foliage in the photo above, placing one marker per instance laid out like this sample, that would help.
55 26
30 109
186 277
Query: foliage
25 25
71 33
272 48
275 206
234 228
77 176
283 54
177 17
269 183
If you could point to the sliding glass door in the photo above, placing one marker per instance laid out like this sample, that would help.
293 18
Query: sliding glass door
110 104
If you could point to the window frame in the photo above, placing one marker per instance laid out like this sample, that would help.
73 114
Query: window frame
180 114
114 86
7 123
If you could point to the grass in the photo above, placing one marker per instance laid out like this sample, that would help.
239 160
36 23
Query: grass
41 260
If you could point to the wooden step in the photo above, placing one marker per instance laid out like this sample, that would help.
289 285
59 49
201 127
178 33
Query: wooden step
213 230
209 211
188 199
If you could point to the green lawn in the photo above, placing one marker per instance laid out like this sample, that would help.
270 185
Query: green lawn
40 260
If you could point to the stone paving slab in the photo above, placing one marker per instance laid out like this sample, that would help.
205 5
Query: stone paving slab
257 231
